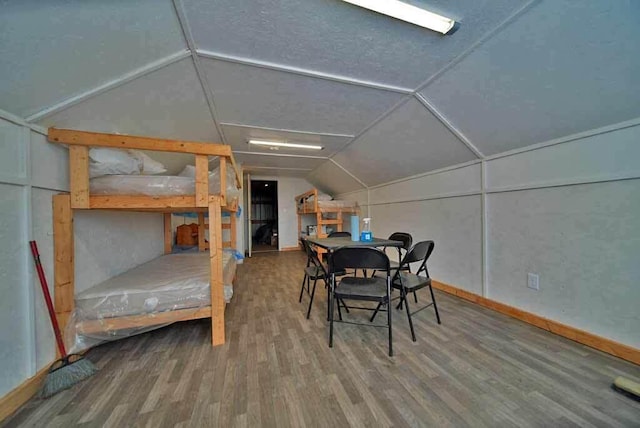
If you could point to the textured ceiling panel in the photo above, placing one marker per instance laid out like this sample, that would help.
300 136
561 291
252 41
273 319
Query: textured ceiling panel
168 103
562 68
237 137
334 37
275 99
307 164
331 179
54 50
275 172
408 142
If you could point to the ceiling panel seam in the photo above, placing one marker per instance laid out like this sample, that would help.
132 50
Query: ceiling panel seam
206 89
488 35
303 72
115 83
350 174
17 120
456 60
425 174
568 138
282 155
380 118
326 134
448 195
276 168
447 124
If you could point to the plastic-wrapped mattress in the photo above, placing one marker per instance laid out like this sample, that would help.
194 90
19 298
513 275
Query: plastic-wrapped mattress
158 185
337 204
167 283
170 282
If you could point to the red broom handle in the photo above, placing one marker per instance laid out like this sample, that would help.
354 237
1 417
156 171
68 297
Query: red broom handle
47 297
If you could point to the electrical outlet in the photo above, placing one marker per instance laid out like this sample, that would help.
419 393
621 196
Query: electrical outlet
532 281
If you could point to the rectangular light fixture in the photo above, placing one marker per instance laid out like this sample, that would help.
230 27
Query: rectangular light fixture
409 13
281 144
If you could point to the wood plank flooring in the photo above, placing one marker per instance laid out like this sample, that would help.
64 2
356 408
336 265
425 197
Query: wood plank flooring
478 368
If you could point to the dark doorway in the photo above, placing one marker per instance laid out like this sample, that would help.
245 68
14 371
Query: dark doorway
264 215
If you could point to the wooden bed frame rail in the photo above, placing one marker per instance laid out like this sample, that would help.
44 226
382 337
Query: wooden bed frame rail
80 141
201 202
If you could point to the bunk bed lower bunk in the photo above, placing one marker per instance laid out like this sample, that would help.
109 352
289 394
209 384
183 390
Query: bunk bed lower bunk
156 298
147 297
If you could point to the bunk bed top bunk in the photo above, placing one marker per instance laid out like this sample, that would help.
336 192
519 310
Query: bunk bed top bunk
153 278
313 202
81 197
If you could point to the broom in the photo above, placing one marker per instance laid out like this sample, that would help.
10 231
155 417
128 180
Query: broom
70 369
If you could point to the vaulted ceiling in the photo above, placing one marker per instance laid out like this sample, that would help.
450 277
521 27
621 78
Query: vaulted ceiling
385 99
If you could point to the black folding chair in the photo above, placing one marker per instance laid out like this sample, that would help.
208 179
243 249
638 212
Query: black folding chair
339 235
406 240
373 289
408 282
314 270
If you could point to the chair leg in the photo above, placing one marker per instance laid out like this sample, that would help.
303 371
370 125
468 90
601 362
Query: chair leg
433 299
302 287
346 308
339 310
415 296
328 302
313 292
390 329
406 305
375 312
330 306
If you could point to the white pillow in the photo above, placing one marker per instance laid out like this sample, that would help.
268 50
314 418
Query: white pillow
104 161
188 171
324 197
149 165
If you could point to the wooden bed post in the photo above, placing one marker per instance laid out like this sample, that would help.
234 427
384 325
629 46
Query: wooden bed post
202 180
232 230
79 176
223 181
168 233
202 245
63 265
217 287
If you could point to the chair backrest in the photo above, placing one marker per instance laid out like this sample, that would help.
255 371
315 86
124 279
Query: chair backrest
339 235
358 258
312 256
420 252
406 239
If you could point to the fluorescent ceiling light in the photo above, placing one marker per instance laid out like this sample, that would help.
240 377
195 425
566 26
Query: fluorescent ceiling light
280 144
409 13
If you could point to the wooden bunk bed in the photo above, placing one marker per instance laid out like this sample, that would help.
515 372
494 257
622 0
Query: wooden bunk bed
327 213
80 198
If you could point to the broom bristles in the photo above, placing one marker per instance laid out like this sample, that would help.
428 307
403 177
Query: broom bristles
66 376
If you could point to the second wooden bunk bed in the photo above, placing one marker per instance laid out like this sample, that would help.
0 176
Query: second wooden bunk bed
80 198
326 214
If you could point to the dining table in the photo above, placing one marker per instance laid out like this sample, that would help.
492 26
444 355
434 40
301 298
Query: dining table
332 244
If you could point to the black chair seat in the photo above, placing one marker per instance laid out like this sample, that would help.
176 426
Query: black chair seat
355 288
362 288
410 281
316 272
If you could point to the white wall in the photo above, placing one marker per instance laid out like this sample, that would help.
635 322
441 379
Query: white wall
362 198
31 172
288 189
569 212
